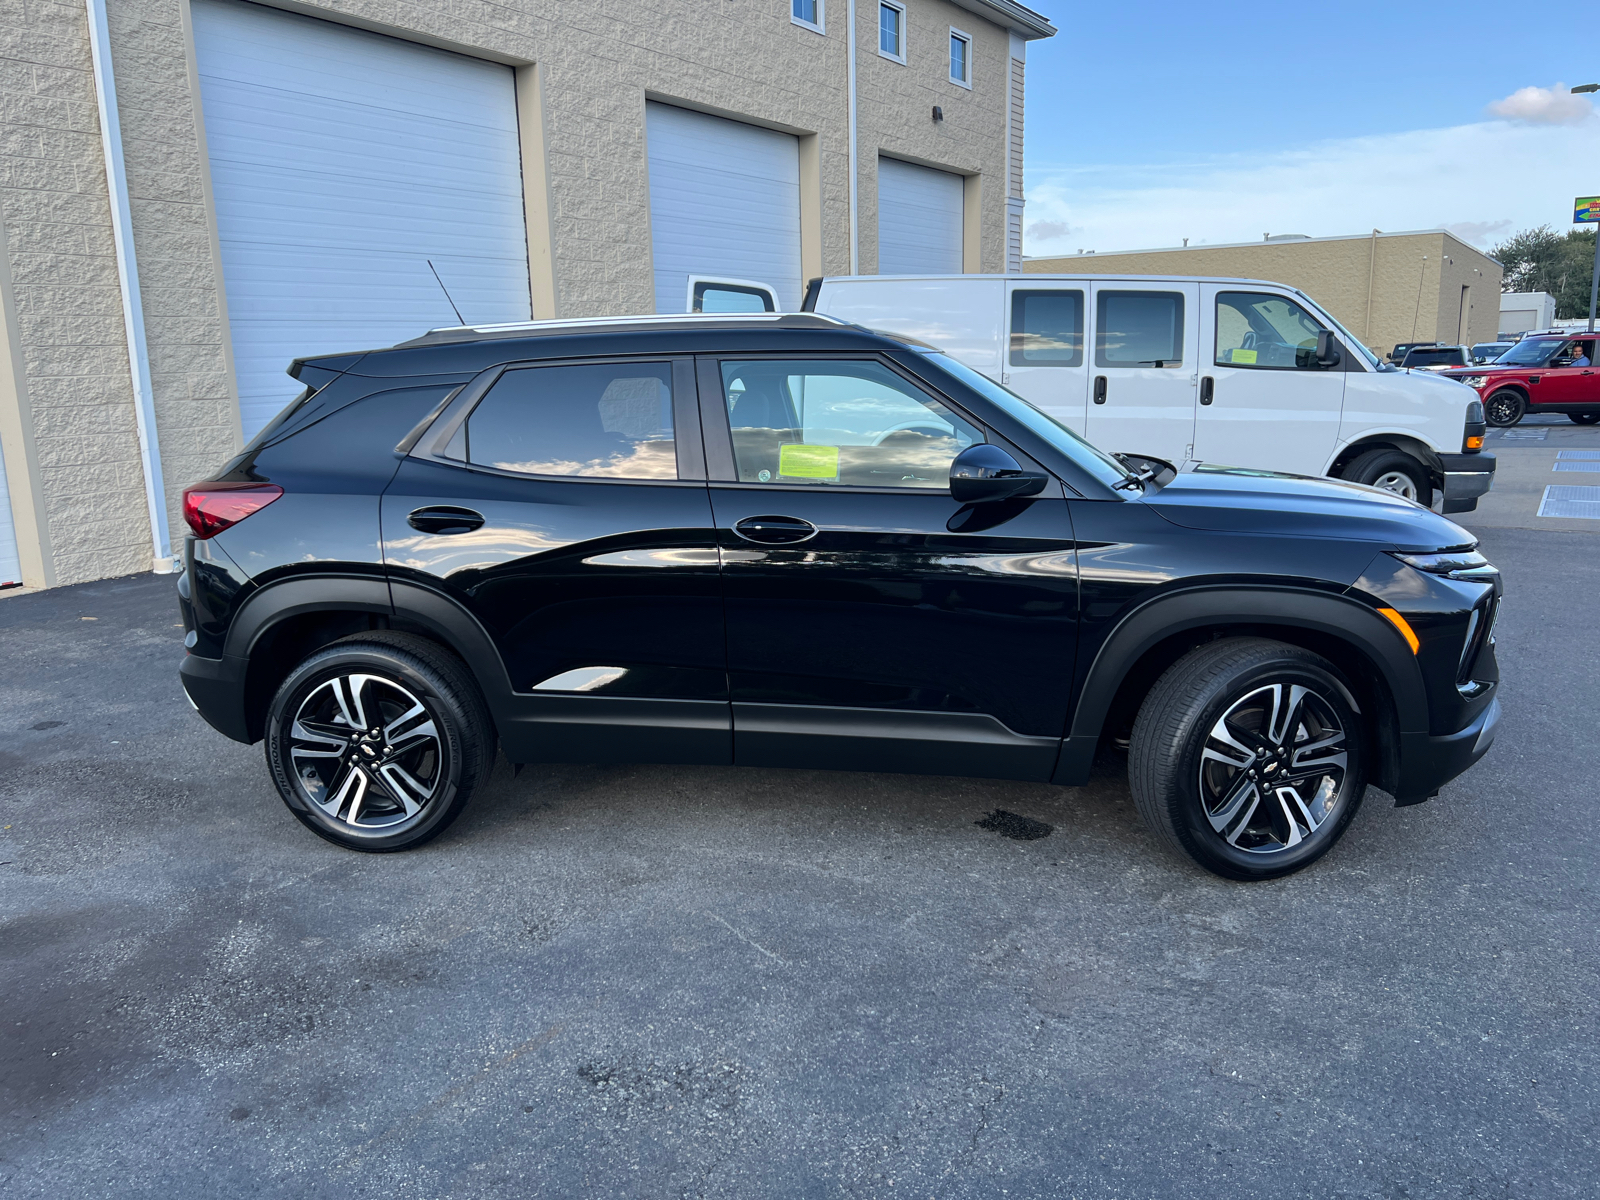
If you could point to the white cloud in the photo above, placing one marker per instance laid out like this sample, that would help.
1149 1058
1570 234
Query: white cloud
1486 180
1543 106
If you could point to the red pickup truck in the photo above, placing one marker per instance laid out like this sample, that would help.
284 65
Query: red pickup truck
1544 372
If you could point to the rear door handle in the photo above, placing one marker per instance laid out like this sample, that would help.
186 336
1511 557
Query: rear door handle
775 531
1099 389
1207 386
444 518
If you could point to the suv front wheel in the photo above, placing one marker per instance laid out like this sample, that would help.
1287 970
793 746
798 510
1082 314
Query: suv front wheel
1248 757
376 742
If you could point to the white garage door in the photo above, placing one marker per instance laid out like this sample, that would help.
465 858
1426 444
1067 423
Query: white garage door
342 162
919 219
10 568
724 201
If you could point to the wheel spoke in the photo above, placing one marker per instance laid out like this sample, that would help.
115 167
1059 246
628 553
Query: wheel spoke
409 740
403 787
1285 717
1244 791
1293 810
332 745
392 731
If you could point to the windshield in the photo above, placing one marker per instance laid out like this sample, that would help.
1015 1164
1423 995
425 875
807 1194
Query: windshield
1531 353
1096 462
1367 356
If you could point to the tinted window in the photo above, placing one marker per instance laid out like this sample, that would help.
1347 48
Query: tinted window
1046 329
1139 329
729 298
612 420
1433 358
1266 332
832 423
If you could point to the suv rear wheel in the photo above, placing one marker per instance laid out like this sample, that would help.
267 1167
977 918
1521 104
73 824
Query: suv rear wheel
377 742
1248 757
1393 471
1584 418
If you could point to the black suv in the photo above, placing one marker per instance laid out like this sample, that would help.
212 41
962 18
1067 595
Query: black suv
789 541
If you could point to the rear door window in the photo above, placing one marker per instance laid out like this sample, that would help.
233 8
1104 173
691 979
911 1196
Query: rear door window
1046 328
832 423
1139 329
599 421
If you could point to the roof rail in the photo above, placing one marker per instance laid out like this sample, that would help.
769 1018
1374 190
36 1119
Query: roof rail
467 333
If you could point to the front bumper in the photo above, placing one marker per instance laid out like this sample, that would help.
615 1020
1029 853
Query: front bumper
1464 478
1427 763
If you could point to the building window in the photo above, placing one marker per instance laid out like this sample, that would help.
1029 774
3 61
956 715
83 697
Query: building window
809 14
960 58
892 31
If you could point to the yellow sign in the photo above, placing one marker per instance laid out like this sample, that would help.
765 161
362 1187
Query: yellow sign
1243 356
1585 208
799 461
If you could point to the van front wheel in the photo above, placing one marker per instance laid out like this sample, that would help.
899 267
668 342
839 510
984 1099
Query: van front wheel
1393 471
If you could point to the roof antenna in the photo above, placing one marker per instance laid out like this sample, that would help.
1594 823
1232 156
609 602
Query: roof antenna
446 291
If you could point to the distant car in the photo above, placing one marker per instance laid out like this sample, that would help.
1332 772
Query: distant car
1487 352
1544 372
1436 358
1398 354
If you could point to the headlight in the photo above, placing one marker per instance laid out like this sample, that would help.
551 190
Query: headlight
1453 564
1474 380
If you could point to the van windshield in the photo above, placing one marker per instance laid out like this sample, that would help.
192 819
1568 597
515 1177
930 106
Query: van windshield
1093 460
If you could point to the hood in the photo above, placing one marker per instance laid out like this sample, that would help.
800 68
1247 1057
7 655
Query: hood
1236 500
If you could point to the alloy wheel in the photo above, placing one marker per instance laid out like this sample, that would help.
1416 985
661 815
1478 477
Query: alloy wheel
1504 408
366 752
1274 768
1397 482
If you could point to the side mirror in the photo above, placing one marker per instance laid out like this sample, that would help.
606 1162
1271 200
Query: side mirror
983 472
1328 352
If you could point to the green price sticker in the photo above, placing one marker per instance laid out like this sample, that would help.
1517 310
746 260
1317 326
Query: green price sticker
1243 356
800 461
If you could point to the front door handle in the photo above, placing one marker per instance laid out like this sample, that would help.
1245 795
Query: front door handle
1207 386
775 531
1099 389
444 518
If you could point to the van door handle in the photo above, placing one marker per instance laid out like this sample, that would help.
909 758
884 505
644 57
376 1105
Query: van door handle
444 518
775 531
1207 385
1099 389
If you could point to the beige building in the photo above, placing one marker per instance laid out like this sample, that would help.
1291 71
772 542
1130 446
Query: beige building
195 191
1385 288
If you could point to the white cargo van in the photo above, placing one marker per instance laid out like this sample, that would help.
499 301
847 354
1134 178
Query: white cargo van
1236 372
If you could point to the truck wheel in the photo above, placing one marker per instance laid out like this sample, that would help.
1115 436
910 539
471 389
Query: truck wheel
1505 408
377 741
1247 757
1393 471
1588 418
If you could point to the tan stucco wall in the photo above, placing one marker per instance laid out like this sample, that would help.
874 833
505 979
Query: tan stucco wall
1415 295
590 66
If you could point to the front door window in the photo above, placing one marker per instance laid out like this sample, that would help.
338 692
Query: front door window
1262 332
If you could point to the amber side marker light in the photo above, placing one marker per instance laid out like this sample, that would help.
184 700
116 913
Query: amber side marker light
1475 443
209 508
1399 623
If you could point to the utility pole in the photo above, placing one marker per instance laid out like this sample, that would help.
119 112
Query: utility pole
1587 210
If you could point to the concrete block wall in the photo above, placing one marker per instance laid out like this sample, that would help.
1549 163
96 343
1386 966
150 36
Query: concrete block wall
68 418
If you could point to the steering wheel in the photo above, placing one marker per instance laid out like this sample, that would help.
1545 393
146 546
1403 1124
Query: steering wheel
1249 342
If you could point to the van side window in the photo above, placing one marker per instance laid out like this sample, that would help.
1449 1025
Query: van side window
851 423
1138 329
1260 331
1046 328
603 421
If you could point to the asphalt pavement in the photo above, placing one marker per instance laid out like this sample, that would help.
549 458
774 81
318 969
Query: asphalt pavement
665 981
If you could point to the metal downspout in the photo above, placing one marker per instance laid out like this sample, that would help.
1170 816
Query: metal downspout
105 88
850 44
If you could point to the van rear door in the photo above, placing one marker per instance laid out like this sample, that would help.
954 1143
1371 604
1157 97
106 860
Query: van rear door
1268 404
1143 373
1044 358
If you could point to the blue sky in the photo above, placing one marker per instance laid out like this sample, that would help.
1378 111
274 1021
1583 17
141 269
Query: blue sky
1155 122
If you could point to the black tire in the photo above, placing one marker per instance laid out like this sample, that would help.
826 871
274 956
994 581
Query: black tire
431 763
1586 418
1505 408
1181 792
1382 467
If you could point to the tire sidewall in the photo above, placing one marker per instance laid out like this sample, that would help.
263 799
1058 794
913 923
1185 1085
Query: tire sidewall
1375 465
1521 408
1188 811
389 663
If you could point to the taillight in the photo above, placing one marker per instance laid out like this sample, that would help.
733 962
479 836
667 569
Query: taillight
209 508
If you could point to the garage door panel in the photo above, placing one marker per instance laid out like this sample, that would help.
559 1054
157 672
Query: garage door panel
342 161
920 219
724 201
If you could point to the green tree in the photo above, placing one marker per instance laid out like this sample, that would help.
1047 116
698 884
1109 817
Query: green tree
1542 260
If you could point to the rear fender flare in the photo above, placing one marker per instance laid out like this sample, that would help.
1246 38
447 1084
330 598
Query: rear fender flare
1159 619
